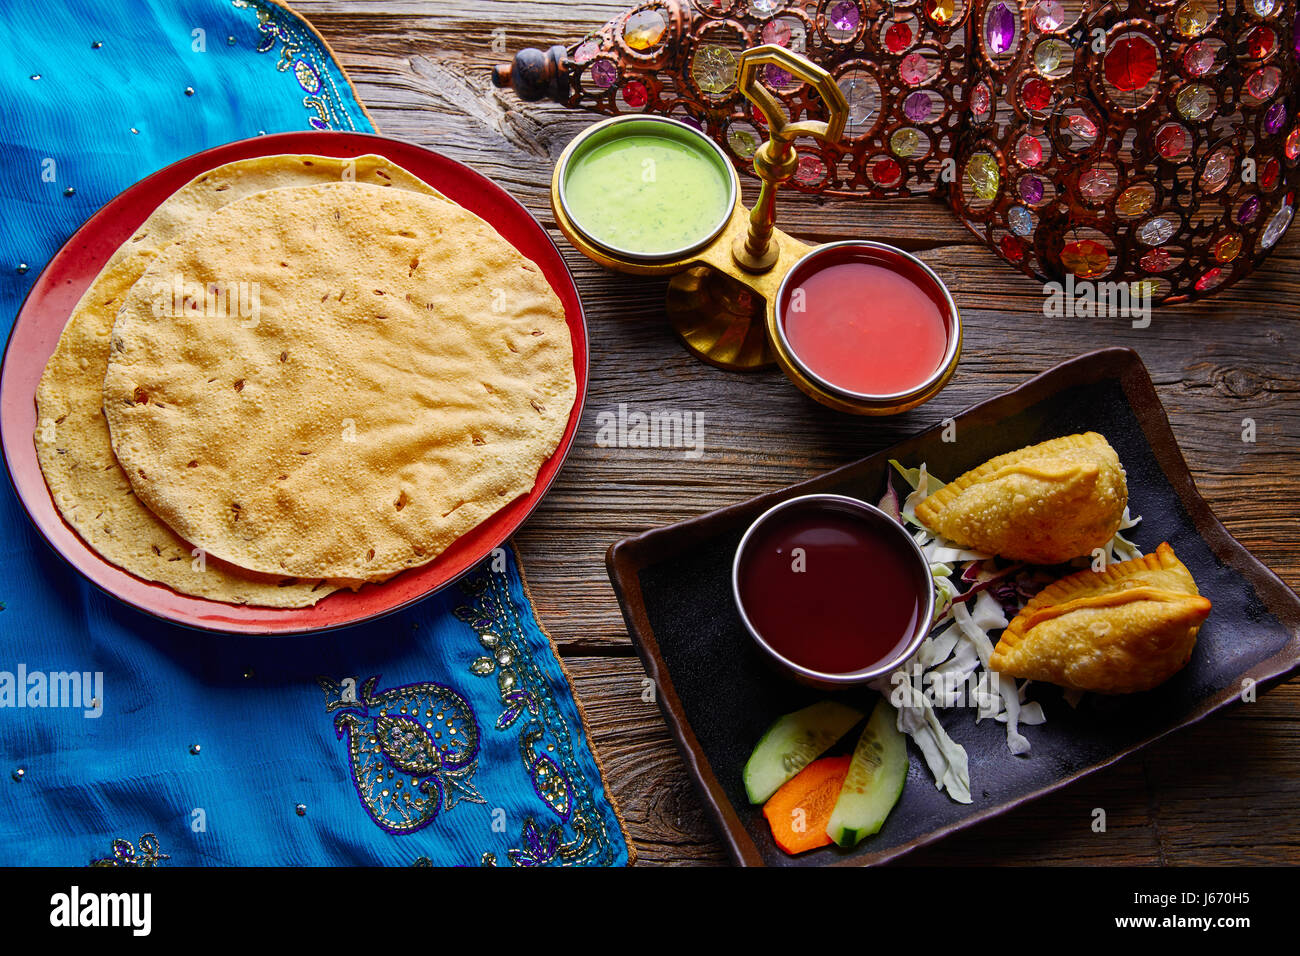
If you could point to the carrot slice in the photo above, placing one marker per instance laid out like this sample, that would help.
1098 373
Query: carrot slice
800 810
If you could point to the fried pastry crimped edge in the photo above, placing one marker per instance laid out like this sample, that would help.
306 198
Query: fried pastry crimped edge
1033 462
929 510
1138 579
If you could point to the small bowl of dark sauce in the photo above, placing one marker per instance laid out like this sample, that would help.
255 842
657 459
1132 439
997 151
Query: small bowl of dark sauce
832 589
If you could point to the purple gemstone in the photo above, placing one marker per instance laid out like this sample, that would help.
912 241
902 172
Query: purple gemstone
604 73
1248 211
1031 187
1275 117
917 106
1000 29
776 77
845 16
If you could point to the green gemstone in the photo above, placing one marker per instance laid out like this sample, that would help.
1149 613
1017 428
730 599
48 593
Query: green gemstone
905 142
1047 55
743 143
982 176
714 68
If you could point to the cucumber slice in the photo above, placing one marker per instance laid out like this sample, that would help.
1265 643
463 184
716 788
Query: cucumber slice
875 781
792 743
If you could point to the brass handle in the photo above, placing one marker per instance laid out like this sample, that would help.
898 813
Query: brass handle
775 161
782 130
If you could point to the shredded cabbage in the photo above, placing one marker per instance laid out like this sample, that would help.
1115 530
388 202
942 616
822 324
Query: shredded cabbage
945 593
976 624
941 551
915 477
916 717
921 489
1121 548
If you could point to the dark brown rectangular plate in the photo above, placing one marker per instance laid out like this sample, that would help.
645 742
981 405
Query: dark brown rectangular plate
718 695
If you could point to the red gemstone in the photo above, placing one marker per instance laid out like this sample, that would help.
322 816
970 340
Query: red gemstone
898 37
1259 42
635 94
1210 280
1157 260
1029 151
1083 126
979 100
1268 176
885 171
1130 63
1035 94
778 32
1012 248
1171 140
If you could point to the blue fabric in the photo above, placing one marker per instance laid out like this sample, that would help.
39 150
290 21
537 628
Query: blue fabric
445 734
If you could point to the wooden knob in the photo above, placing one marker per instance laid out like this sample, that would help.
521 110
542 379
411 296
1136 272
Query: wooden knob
536 74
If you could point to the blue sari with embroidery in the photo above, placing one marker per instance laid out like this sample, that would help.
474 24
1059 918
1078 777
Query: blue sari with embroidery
445 734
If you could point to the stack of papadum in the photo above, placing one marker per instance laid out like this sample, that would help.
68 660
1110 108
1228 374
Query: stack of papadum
301 373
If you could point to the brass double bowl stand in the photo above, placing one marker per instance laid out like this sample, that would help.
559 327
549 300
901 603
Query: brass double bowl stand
723 298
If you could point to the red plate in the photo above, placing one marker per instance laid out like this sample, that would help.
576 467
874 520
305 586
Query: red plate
51 300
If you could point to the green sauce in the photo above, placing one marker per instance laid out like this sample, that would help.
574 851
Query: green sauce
647 194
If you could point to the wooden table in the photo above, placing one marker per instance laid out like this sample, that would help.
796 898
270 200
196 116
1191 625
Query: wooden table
1226 791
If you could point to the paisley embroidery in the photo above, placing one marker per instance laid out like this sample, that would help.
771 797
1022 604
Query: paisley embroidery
126 854
547 778
542 849
413 749
300 53
545 741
